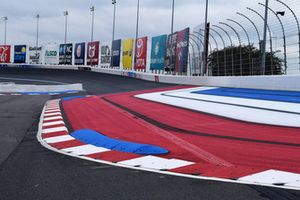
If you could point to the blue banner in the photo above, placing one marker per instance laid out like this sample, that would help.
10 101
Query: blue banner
20 54
158 52
79 53
116 53
65 54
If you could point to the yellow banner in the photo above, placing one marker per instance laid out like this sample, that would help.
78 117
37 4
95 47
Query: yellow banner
127 53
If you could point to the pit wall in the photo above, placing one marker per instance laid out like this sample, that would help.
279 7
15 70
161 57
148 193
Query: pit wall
283 82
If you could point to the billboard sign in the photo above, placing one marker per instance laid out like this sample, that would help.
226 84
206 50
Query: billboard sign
65 54
141 53
127 54
116 53
20 54
51 54
79 54
171 52
182 50
105 56
93 53
158 52
35 55
4 53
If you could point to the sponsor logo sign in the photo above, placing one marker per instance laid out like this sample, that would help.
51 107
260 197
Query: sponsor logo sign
116 53
35 55
20 54
93 53
65 54
141 53
127 54
79 53
158 52
105 56
51 54
171 52
4 53
182 50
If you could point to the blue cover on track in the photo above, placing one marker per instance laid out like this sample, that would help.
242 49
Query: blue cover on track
100 140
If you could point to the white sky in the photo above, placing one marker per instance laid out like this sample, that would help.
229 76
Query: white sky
155 17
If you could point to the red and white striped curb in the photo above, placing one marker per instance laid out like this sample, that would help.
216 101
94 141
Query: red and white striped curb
54 135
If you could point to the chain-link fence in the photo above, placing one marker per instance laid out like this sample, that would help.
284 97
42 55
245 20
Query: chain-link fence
235 42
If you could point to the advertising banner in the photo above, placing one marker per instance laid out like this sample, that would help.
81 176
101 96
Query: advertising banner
105 56
51 54
4 53
171 52
141 53
34 54
116 51
127 54
182 50
93 53
20 54
158 52
79 54
65 54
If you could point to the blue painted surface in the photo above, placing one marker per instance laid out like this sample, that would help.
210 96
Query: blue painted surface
100 140
43 93
74 97
269 95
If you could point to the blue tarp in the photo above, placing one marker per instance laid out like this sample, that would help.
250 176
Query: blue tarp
270 95
97 139
73 97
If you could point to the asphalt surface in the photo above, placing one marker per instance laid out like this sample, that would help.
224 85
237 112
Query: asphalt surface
29 171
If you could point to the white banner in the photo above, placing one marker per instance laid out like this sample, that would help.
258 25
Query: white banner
51 54
35 55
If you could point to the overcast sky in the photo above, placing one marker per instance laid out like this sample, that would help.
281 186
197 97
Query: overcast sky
155 18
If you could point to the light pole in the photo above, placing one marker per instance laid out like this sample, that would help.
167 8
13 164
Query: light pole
283 34
263 64
66 13
114 2
270 35
5 28
137 28
92 9
173 12
205 39
37 30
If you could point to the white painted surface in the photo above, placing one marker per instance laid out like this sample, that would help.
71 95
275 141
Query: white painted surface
274 177
85 150
53 118
63 138
53 130
153 162
52 114
230 111
54 123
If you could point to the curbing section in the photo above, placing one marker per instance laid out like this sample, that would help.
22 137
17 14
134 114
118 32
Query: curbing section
53 135
282 82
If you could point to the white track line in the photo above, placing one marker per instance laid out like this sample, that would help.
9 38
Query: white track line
53 130
85 150
63 138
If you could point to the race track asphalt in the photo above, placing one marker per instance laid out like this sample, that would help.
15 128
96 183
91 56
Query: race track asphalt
29 171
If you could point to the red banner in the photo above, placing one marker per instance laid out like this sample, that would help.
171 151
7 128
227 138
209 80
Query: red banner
93 53
141 53
4 53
